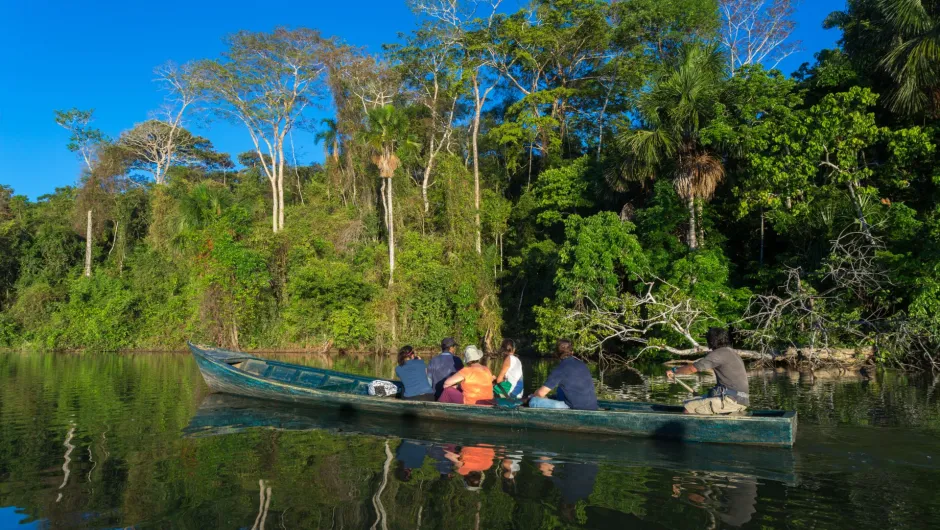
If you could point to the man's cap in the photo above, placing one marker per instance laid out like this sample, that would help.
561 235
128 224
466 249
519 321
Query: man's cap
472 353
449 342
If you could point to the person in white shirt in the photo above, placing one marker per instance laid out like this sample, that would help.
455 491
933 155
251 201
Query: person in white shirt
509 380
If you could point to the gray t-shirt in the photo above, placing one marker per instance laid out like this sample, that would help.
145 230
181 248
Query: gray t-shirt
729 369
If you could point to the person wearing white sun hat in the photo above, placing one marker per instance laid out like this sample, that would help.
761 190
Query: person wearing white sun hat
475 380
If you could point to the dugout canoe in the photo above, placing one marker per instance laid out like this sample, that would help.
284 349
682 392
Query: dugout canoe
246 375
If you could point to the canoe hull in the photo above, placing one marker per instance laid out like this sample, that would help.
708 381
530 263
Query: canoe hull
631 419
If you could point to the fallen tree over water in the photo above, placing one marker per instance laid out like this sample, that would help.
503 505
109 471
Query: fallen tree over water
831 316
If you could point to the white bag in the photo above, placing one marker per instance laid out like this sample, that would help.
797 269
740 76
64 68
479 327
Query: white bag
382 388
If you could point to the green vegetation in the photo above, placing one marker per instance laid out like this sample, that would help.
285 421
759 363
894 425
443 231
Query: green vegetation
614 171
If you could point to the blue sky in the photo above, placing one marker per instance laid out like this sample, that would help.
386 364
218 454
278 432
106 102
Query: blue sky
101 54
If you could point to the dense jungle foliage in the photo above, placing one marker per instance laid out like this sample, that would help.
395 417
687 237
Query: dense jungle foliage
613 171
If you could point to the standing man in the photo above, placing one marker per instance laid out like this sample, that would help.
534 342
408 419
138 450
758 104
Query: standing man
573 380
444 365
730 395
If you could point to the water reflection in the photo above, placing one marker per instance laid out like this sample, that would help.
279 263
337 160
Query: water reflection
731 499
106 441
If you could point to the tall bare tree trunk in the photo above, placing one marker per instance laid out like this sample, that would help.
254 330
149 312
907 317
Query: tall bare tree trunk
274 204
391 236
600 128
88 247
384 195
476 180
425 181
280 191
693 243
478 109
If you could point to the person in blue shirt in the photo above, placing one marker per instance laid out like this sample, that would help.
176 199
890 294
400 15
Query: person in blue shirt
444 365
573 380
413 374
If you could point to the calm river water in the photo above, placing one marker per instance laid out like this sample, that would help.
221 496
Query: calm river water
106 441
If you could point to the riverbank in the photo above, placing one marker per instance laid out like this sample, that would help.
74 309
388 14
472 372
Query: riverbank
833 358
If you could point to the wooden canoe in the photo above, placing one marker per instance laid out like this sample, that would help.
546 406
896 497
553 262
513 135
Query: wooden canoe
246 375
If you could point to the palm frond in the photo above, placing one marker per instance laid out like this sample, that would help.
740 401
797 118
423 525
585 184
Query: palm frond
914 63
908 16
699 176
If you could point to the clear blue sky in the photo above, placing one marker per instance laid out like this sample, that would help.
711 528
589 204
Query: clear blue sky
101 53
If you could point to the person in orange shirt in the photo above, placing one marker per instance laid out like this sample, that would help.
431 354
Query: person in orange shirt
472 463
475 380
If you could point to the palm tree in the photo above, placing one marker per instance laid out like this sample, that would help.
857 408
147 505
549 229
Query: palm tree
914 59
387 131
330 137
672 115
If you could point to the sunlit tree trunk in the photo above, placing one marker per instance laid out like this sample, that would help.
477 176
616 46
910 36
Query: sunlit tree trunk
391 237
693 242
476 169
384 196
88 236
274 203
280 187
479 100
425 181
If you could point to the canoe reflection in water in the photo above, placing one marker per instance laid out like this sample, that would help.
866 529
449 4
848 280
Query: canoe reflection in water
609 480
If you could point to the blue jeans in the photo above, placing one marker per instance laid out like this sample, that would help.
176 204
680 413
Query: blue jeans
545 403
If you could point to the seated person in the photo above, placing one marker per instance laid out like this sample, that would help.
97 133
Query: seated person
730 395
444 365
509 381
413 374
475 380
472 464
573 380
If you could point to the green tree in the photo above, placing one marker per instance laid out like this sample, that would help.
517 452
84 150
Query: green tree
266 82
388 131
83 138
914 58
680 105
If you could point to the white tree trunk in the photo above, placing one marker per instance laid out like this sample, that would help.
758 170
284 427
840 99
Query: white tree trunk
391 236
384 196
427 174
274 204
280 189
693 243
476 172
88 247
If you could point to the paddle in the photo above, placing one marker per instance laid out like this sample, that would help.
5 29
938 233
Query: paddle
685 386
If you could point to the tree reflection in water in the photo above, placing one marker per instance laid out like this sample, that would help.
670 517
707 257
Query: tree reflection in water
153 450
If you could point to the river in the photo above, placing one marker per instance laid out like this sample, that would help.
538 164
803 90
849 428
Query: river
106 440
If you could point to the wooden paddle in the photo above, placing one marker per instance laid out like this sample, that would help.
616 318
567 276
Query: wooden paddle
685 386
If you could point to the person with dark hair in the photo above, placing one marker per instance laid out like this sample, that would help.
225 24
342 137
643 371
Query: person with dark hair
730 395
413 374
444 365
509 380
410 456
573 380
